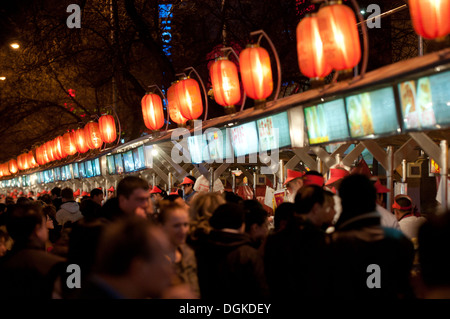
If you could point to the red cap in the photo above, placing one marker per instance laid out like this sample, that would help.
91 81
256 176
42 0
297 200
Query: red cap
175 192
291 175
111 189
362 168
21 193
99 188
77 193
380 187
336 174
313 180
187 180
397 206
44 192
85 193
155 190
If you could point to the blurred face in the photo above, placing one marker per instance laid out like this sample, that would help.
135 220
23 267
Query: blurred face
155 274
110 194
259 232
41 231
2 247
294 185
156 197
138 199
98 199
187 188
328 211
176 226
49 223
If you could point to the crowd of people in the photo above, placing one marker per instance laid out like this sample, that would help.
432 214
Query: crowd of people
333 239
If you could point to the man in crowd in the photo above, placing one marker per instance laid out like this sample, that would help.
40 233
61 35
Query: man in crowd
56 197
293 183
97 196
188 187
408 221
132 195
70 209
131 262
256 222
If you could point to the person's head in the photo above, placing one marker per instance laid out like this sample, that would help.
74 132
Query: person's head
50 214
55 192
188 184
256 220
89 209
67 195
313 178
133 251
22 200
311 203
358 196
97 196
27 223
228 216
46 199
204 204
402 206
231 197
158 193
132 193
434 240
283 214
174 220
9 201
3 239
110 194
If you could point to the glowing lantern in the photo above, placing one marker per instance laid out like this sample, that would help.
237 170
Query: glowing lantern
59 147
225 82
69 143
173 104
31 160
256 72
107 128
152 110
311 59
92 134
80 141
39 156
430 18
54 146
339 34
20 162
50 153
189 98
13 166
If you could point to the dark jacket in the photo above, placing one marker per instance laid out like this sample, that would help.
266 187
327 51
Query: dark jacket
29 272
296 262
360 242
229 267
57 202
111 210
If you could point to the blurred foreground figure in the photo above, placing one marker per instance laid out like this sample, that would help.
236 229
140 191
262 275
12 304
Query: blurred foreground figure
369 261
434 240
131 262
27 271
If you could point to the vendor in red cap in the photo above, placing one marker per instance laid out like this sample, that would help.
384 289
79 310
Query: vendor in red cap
111 192
387 218
409 221
188 188
313 178
336 176
157 193
293 183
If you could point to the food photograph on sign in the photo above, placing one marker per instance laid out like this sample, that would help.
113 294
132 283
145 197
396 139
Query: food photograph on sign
273 132
244 139
360 115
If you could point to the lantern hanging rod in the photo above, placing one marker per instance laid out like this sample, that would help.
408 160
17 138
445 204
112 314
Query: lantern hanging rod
167 103
181 74
204 90
277 59
231 50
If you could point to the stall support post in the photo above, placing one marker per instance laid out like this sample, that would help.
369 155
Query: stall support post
319 165
170 182
444 173
390 175
211 179
233 185
153 179
404 171
254 185
281 174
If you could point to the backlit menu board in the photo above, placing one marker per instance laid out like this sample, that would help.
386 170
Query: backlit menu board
96 167
110 164
118 162
82 170
198 148
41 177
76 171
372 113
219 144
68 172
326 122
57 172
128 161
63 174
139 158
273 132
244 139
425 102
88 168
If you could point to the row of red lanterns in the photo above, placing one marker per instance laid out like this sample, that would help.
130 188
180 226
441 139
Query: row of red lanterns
91 136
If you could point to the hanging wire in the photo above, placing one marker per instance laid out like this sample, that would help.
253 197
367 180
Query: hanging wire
204 90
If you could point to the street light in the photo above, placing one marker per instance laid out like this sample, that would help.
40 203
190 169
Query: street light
15 45
2 78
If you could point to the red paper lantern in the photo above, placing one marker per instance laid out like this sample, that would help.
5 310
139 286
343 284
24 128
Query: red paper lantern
92 134
430 18
31 160
225 82
13 166
339 34
59 147
107 126
152 111
311 58
256 72
20 162
80 141
189 98
173 104
69 143
50 153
